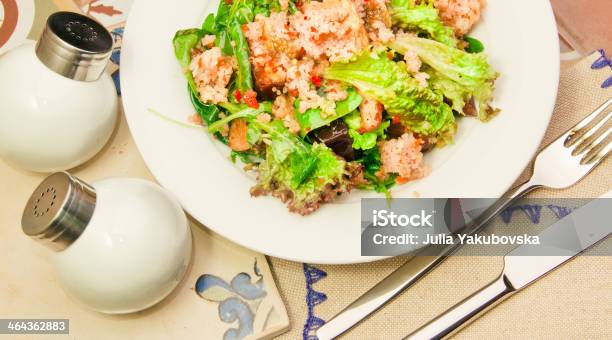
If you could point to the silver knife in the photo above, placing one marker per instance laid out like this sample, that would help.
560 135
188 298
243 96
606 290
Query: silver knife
415 268
525 264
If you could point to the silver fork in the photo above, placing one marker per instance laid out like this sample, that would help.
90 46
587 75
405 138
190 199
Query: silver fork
558 165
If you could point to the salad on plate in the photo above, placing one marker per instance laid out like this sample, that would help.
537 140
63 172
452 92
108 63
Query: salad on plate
320 97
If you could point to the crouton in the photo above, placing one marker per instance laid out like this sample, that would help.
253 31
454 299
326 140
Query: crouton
238 135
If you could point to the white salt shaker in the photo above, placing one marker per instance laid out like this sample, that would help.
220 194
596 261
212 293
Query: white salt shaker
58 107
121 245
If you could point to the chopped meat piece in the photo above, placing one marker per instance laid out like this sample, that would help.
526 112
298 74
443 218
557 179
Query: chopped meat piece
403 156
460 14
371 114
299 76
376 11
422 77
381 33
377 20
283 109
335 91
208 40
195 119
271 44
331 28
212 72
264 118
413 62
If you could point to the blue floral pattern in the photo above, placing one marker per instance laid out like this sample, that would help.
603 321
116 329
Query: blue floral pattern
600 63
534 211
238 300
313 298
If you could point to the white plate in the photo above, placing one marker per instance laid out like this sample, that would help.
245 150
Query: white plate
484 161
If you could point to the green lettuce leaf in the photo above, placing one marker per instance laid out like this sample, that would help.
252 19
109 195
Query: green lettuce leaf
291 165
276 178
311 119
370 159
227 27
366 140
283 145
244 77
474 45
266 7
459 75
421 109
253 135
423 19
183 42
353 120
289 149
208 112
363 141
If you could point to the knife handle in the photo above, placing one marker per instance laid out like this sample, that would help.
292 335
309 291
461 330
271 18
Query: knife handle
465 311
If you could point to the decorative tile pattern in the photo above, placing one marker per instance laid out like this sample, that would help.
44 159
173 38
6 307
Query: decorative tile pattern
238 301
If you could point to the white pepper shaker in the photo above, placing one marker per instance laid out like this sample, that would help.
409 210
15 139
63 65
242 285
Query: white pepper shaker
59 107
121 245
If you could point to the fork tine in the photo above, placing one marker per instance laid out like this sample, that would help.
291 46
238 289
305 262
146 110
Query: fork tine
591 134
578 130
601 149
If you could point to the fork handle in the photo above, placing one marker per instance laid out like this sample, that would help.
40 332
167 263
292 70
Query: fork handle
465 311
502 203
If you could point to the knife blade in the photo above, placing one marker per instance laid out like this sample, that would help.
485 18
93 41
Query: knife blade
525 264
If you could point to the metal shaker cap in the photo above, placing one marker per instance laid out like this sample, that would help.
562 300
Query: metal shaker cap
59 210
74 46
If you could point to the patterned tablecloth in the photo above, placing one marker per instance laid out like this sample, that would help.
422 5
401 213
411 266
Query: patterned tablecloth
573 302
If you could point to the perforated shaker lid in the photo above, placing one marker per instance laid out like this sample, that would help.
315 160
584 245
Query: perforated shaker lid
74 46
59 210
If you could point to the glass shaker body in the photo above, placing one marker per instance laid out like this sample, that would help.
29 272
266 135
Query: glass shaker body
134 251
49 122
